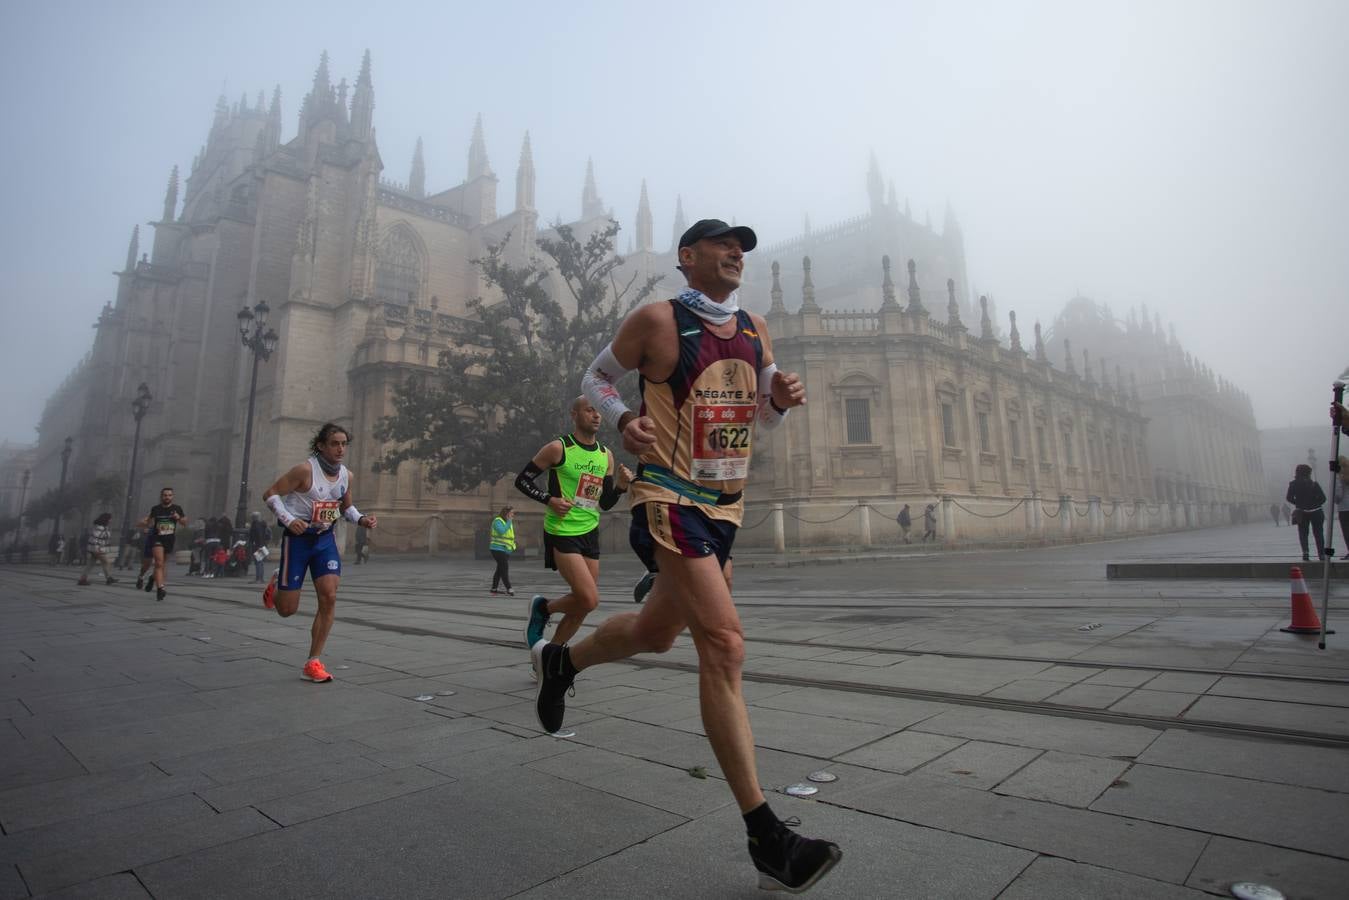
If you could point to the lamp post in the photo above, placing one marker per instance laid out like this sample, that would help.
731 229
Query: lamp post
252 323
23 504
65 461
139 407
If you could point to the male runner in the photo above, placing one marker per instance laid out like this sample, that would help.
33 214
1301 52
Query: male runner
307 501
708 384
581 482
161 525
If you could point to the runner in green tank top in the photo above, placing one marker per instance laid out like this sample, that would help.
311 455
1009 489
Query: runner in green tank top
583 479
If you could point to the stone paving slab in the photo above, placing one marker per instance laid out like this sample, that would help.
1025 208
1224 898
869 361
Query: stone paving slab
1294 817
126 850
977 764
122 886
1047 879
1314 767
1297 875
902 752
342 796
1162 704
1065 778
1142 848
1045 732
85 795
1270 714
881 858
450 841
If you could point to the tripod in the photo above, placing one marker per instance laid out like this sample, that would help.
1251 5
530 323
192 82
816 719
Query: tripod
1335 491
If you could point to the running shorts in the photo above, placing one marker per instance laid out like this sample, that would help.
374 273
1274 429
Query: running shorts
686 530
588 545
312 553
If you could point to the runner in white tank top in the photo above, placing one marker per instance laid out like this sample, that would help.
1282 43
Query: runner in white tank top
308 500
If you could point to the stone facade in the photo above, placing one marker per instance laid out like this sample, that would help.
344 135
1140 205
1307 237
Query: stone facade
368 279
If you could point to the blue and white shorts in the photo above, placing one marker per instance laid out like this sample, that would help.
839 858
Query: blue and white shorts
312 553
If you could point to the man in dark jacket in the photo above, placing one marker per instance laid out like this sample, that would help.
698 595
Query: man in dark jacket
1307 499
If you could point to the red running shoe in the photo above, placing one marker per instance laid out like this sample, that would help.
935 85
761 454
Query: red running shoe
269 595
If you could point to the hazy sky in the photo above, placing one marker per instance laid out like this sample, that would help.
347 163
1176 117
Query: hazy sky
1193 156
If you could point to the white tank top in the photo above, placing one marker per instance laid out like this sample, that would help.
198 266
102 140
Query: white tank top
320 505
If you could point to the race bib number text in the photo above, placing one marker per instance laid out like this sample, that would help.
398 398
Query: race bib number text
721 441
326 512
588 490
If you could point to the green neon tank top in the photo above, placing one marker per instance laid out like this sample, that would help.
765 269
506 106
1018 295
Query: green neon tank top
579 477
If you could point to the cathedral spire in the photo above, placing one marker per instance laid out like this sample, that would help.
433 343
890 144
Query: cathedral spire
1086 366
808 303
890 202
417 177
1068 358
171 197
680 225
915 299
363 102
319 101
592 207
985 321
952 307
269 136
644 225
478 165
134 250
875 186
524 177
1015 339
887 286
1040 355
775 292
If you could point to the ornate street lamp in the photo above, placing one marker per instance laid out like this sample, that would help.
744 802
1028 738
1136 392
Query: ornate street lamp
139 407
23 505
65 461
262 344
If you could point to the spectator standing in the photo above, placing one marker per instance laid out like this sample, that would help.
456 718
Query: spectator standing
1307 498
905 520
502 546
930 523
258 537
1342 502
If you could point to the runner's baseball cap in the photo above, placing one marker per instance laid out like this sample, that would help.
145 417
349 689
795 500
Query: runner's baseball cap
710 228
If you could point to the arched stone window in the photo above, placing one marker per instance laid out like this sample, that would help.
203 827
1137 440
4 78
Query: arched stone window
398 272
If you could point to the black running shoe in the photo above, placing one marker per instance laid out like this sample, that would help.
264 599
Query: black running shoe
161 594
140 582
643 587
551 702
788 862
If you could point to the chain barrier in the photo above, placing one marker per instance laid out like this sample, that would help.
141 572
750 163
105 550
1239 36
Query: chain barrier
762 519
1081 515
978 515
1052 515
844 514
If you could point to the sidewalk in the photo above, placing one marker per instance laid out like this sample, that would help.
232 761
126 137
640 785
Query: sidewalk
170 750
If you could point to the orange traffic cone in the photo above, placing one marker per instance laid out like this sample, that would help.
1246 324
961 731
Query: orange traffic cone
1305 620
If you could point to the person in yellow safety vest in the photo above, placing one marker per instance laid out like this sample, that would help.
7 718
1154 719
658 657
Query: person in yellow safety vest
502 546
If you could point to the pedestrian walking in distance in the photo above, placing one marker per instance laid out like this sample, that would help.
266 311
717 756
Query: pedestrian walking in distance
905 520
502 546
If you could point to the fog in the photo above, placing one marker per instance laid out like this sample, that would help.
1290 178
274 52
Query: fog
1191 156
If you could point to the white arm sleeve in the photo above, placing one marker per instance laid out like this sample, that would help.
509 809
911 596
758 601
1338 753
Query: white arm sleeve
598 385
276 505
769 418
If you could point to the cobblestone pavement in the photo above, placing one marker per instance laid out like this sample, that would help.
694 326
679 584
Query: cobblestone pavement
1001 724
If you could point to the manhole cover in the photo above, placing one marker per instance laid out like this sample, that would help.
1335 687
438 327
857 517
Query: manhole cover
801 790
